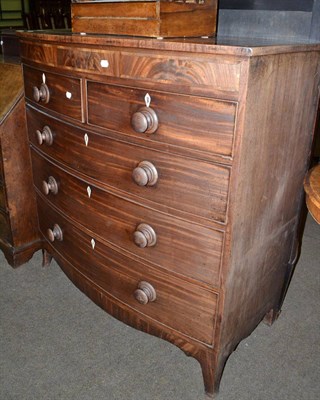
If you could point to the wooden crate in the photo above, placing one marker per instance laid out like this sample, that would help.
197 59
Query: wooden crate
153 18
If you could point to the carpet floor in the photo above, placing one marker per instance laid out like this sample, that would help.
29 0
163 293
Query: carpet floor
55 344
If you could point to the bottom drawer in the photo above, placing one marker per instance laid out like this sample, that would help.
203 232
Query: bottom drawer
5 229
180 305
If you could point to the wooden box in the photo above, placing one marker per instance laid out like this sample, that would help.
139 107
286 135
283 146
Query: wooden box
153 18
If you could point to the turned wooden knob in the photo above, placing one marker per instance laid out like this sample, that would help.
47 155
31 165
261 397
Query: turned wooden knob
145 293
45 136
144 236
145 174
145 120
55 233
41 94
50 186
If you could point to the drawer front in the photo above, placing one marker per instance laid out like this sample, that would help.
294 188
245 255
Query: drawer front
180 305
88 60
5 229
223 74
64 92
196 123
203 186
182 247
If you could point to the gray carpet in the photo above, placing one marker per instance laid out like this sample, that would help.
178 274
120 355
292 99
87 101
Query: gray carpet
56 344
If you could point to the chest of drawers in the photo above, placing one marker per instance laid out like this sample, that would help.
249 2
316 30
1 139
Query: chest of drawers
19 237
169 178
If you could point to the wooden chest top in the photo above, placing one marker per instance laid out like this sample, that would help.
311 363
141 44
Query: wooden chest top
145 17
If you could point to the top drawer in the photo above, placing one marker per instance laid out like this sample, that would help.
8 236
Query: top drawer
55 92
195 123
216 75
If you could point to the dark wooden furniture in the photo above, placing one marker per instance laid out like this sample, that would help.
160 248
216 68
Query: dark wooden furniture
312 189
155 18
19 236
9 44
169 178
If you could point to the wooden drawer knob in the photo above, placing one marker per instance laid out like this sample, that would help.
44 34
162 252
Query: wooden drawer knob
145 293
145 174
45 136
144 236
42 94
55 233
145 120
50 186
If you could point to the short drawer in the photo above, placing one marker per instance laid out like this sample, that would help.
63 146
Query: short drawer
197 123
5 228
180 246
55 92
172 183
180 305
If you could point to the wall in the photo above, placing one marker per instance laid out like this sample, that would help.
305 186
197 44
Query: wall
284 19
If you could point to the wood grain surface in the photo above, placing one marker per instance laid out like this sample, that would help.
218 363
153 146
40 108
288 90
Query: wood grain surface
184 248
192 307
198 123
312 189
145 18
204 186
19 237
59 86
234 125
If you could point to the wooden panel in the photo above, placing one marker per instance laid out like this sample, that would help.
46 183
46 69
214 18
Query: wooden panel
182 247
19 244
171 19
3 202
200 124
11 88
180 305
59 86
39 53
1 163
188 18
117 18
220 74
267 210
86 59
203 186
5 229
312 189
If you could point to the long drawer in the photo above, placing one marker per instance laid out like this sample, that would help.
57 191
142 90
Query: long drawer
197 123
214 75
180 246
180 305
55 92
203 186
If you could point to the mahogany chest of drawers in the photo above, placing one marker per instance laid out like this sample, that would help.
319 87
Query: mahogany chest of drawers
169 178
19 236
